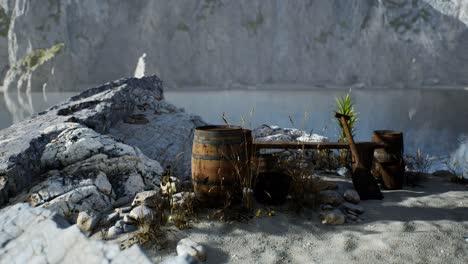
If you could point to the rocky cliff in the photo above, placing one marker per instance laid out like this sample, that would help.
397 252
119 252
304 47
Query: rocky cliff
65 45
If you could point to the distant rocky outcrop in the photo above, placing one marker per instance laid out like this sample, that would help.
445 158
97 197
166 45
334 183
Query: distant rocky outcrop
100 146
68 45
37 235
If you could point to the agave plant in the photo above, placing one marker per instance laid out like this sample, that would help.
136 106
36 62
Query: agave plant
344 105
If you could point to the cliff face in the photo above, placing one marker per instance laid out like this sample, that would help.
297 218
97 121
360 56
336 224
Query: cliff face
64 45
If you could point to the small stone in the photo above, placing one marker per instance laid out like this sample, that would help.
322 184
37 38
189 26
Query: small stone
178 196
351 218
326 207
330 197
128 219
114 232
119 224
352 196
334 217
142 213
125 209
189 247
343 171
353 213
148 198
86 222
353 208
110 219
129 228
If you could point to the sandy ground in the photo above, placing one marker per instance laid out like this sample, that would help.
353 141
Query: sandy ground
426 224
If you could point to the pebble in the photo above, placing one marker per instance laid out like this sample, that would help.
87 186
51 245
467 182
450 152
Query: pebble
114 232
129 228
142 213
326 207
128 219
110 219
123 210
334 217
353 208
352 196
188 247
120 224
344 172
351 217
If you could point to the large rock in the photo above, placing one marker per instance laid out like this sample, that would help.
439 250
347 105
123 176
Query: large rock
69 162
73 44
36 235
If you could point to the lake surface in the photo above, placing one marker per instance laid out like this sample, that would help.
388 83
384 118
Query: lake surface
436 121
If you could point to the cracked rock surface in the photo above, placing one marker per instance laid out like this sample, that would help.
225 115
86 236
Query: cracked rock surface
84 155
36 235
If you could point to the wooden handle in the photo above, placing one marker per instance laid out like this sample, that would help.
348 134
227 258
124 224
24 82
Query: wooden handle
352 145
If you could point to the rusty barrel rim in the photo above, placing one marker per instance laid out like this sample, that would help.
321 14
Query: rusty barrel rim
218 131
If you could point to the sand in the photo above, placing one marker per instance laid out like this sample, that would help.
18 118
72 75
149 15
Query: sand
425 224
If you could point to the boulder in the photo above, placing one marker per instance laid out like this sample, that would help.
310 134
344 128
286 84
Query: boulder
37 235
83 148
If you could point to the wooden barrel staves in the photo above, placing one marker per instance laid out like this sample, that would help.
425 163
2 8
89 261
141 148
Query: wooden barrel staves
389 161
220 159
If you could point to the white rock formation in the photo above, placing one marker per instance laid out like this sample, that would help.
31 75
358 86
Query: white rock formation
36 235
84 155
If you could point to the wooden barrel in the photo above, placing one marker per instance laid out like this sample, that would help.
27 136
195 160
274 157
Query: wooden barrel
219 161
389 164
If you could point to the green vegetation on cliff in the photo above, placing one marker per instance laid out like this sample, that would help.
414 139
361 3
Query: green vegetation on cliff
37 57
252 25
4 22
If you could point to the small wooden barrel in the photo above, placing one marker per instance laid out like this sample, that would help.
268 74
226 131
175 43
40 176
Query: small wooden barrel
389 162
219 160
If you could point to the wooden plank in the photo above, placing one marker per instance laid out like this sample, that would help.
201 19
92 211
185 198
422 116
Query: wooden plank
304 145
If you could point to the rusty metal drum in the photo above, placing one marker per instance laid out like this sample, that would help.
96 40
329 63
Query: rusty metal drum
220 159
388 161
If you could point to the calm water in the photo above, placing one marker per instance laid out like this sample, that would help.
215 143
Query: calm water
434 120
